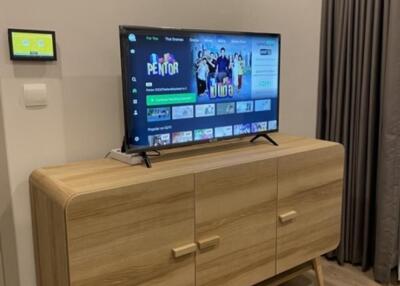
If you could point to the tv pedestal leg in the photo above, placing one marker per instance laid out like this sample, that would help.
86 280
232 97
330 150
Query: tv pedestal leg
146 159
266 136
318 271
314 264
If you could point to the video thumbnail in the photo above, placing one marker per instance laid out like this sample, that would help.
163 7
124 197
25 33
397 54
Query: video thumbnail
244 106
222 66
223 131
262 105
204 110
182 137
225 108
272 125
182 111
158 114
203 134
240 129
159 139
259 126
162 65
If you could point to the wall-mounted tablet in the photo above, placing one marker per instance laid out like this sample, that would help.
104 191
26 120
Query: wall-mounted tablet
32 45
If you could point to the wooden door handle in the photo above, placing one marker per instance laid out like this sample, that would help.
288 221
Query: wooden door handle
208 242
286 217
184 250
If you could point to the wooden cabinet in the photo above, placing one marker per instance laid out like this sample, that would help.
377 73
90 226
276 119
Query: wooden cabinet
124 236
309 205
238 206
230 213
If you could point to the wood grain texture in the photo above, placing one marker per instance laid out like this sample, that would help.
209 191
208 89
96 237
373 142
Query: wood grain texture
125 236
311 184
103 222
97 175
50 240
238 204
317 266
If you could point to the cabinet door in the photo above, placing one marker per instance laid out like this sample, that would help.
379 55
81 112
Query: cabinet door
236 221
309 205
126 236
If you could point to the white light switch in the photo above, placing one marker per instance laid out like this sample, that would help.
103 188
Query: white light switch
35 94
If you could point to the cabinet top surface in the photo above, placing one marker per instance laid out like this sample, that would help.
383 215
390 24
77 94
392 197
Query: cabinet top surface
71 179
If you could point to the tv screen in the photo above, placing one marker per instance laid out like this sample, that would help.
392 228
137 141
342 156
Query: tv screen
32 45
186 87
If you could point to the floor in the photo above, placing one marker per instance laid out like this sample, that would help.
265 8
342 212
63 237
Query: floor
336 275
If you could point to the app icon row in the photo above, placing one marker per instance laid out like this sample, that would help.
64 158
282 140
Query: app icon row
155 114
211 133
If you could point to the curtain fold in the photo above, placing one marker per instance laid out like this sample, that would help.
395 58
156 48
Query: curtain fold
359 92
388 202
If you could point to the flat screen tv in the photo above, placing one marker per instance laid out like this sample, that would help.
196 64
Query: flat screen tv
183 87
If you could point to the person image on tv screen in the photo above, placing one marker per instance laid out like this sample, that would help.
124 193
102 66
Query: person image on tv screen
222 65
197 64
202 75
230 67
158 141
240 71
235 70
212 67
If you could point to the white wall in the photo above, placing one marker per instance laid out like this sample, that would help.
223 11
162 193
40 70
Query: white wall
1 268
1 272
7 229
84 117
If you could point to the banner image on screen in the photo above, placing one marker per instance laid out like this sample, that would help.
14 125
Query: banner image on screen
186 86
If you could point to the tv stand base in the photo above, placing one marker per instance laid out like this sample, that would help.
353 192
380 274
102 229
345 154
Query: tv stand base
266 136
146 159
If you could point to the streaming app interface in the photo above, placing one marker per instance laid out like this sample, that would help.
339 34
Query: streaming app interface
192 87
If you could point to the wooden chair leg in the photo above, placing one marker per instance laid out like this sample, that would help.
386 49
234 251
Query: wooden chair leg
318 271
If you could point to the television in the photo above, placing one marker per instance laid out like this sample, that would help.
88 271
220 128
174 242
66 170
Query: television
32 45
183 87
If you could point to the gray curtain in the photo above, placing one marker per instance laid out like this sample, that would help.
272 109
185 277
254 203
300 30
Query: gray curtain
359 106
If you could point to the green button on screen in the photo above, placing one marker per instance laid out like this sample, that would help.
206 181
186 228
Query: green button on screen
170 99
